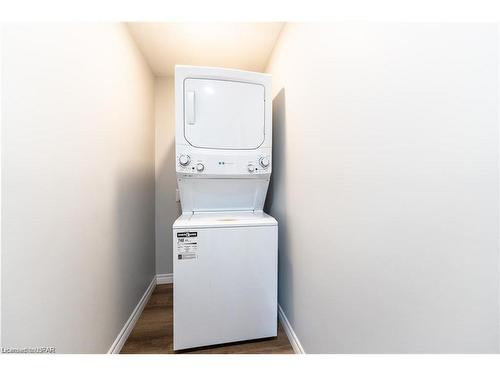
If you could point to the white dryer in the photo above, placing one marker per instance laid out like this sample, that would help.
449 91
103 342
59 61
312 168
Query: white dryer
225 246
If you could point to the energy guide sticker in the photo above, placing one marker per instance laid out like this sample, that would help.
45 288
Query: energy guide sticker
187 245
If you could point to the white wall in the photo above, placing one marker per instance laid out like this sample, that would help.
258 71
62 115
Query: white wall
77 184
167 209
385 186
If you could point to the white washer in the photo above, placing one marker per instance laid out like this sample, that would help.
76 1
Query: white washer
227 264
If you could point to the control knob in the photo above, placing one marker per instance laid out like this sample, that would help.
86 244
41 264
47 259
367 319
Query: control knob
264 161
184 160
200 167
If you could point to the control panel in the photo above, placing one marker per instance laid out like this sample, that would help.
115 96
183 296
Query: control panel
224 165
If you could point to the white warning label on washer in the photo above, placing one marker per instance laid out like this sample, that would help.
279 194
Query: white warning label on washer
187 245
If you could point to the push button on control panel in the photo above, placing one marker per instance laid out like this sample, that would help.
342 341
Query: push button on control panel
200 167
251 168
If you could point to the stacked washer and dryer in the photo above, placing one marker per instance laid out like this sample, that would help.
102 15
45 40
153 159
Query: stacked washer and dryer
225 246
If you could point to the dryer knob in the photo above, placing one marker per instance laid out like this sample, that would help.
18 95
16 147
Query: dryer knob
264 161
200 167
184 160
251 168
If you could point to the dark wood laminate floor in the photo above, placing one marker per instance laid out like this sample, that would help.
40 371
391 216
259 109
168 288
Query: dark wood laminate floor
153 333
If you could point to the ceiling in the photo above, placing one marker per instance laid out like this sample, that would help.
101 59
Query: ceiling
229 45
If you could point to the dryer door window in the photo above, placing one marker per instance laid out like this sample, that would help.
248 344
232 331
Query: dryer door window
223 114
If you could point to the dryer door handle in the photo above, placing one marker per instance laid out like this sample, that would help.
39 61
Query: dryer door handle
190 108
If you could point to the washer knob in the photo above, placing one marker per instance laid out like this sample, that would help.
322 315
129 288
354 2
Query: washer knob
264 161
184 160
251 168
200 167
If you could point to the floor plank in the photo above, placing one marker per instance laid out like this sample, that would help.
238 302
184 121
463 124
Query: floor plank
153 333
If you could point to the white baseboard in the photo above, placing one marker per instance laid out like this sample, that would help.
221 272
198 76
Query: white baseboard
292 337
130 324
164 278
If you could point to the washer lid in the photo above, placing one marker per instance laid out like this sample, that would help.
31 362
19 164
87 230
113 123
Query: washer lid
224 114
224 219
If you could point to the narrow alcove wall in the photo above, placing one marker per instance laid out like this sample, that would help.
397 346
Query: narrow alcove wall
385 186
77 184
